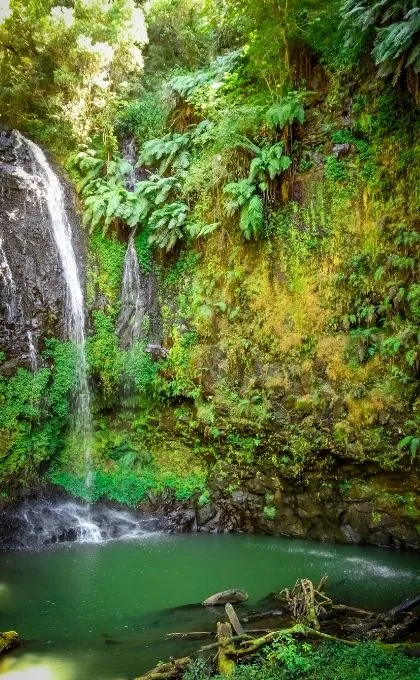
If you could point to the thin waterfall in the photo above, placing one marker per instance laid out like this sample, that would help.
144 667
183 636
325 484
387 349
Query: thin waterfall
33 355
133 304
46 186
9 285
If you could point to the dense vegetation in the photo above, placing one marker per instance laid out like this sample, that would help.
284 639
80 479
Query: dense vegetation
289 660
274 203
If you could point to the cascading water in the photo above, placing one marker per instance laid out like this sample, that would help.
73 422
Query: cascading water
42 523
133 304
9 285
44 183
33 355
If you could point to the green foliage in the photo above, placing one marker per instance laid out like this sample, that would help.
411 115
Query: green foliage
34 413
270 512
391 30
143 118
287 659
60 66
104 355
244 198
167 225
286 111
411 443
170 150
129 488
269 162
140 369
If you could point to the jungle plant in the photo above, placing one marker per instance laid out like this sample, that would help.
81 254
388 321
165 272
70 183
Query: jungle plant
286 111
269 161
244 198
170 150
391 28
167 225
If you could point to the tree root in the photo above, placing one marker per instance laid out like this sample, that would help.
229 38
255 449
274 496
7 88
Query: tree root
168 671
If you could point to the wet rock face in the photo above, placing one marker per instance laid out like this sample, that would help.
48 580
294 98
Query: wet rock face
268 505
32 288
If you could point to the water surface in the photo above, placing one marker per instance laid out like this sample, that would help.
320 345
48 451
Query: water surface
100 612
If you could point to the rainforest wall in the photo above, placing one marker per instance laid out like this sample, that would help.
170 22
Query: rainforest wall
249 190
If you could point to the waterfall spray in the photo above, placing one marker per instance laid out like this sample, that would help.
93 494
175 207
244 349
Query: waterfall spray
47 187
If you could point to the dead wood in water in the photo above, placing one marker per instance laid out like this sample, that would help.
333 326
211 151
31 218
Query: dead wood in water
305 602
225 663
310 608
193 634
233 618
172 670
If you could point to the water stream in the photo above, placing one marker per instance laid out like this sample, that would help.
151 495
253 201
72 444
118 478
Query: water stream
46 186
101 611
133 304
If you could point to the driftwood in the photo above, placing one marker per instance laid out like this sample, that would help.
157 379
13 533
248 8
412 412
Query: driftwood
273 614
309 605
225 664
172 670
305 602
232 595
234 621
193 634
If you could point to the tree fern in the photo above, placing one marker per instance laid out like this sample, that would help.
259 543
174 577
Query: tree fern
167 225
392 32
166 150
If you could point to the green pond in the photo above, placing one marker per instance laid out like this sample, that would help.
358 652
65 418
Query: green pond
101 612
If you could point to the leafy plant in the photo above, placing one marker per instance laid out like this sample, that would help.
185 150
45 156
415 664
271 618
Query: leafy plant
393 26
244 198
167 225
286 111
269 161
169 150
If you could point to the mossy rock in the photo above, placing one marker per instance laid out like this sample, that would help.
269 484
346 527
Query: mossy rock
8 641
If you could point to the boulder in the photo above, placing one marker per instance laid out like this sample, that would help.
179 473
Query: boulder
232 595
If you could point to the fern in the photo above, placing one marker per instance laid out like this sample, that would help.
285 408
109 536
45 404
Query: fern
168 150
198 229
252 218
167 225
244 197
391 29
286 112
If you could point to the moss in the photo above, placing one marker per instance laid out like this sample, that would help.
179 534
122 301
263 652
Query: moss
8 641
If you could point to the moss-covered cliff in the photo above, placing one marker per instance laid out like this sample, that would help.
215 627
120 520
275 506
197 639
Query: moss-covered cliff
274 209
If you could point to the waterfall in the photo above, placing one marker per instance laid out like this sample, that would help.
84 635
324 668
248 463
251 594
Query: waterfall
33 356
8 283
46 186
133 304
43 522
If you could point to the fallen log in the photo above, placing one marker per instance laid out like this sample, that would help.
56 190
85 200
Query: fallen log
406 606
172 670
232 595
225 664
273 614
192 634
233 618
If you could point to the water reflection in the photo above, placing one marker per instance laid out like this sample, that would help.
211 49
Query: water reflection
31 667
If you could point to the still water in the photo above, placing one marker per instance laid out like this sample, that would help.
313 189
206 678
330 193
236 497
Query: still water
101 612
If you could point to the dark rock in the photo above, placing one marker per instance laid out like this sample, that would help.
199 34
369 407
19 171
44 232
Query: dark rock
32 287
341 150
